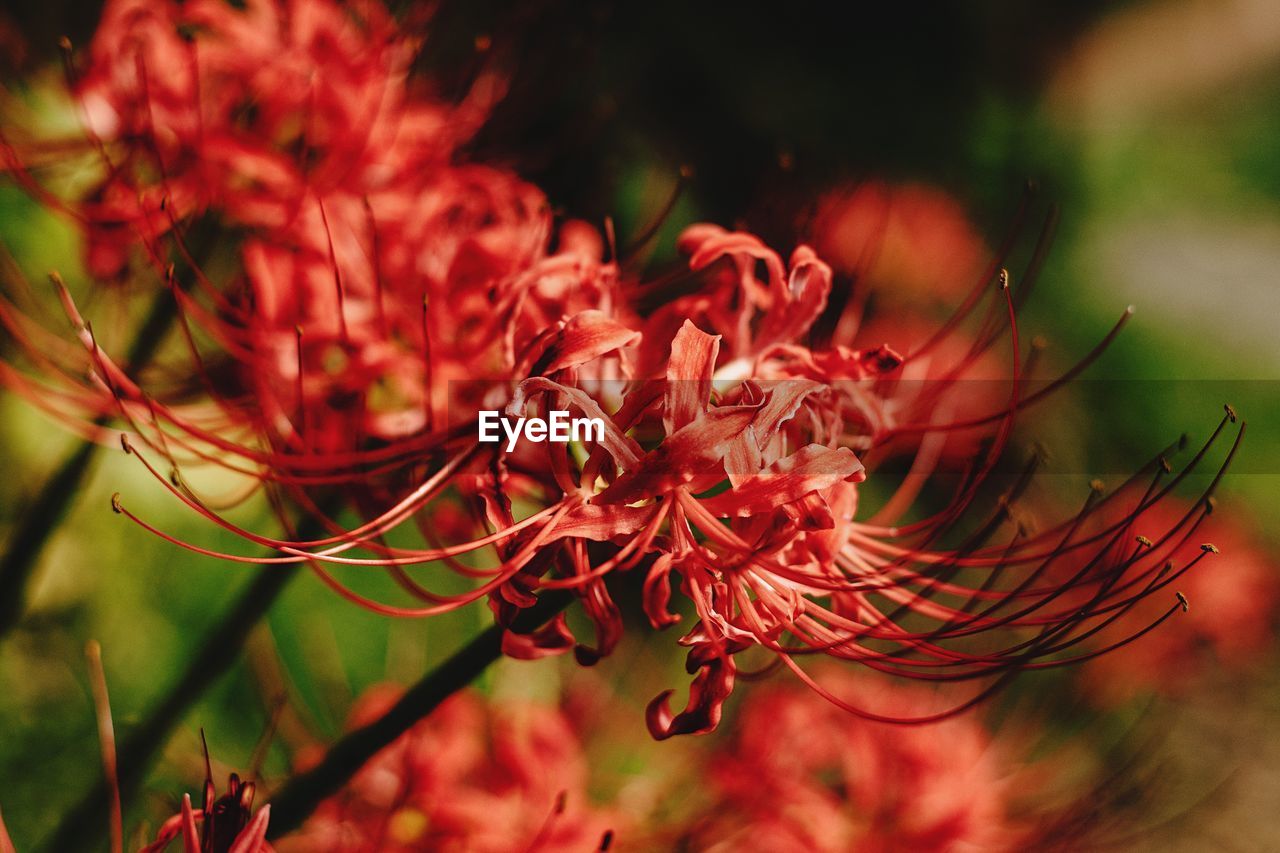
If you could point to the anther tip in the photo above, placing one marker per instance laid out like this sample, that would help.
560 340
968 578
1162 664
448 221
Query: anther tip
64 43
1210 503
1210 548
1097 486
1182 599
116 506
1231 412
1002 280
1142 540
124 443
1129 309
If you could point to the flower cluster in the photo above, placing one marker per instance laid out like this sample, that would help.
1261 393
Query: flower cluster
801 775
471 776
796 774
385 287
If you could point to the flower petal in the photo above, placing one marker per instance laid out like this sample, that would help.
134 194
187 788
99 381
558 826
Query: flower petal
810 469
689 371
707 693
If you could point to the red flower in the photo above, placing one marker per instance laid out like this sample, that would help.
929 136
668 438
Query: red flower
225 823
799 774
385 290
249 112
907 243
376 269
746 490
470 776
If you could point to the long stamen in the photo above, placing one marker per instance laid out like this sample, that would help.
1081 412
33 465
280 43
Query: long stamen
107 741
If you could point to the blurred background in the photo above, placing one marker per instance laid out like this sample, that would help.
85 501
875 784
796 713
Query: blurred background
1153 126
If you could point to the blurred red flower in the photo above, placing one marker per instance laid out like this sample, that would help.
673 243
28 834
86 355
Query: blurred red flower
908 243
799 774
473 775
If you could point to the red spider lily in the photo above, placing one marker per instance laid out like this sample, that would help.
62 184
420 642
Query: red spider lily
377 270
470 776
800 775
249 112
776 560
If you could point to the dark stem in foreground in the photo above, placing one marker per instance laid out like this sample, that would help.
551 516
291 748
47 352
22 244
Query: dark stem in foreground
298 797
46 511
85 824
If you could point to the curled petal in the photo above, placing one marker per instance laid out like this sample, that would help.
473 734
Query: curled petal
554 638
707 693
579 340
657 593
693 237
604 614
802 302
714 246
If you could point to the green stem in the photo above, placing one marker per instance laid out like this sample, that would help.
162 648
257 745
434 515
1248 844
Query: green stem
300 796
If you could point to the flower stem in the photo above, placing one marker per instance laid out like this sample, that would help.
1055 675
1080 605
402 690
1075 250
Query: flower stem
299 796
46 511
